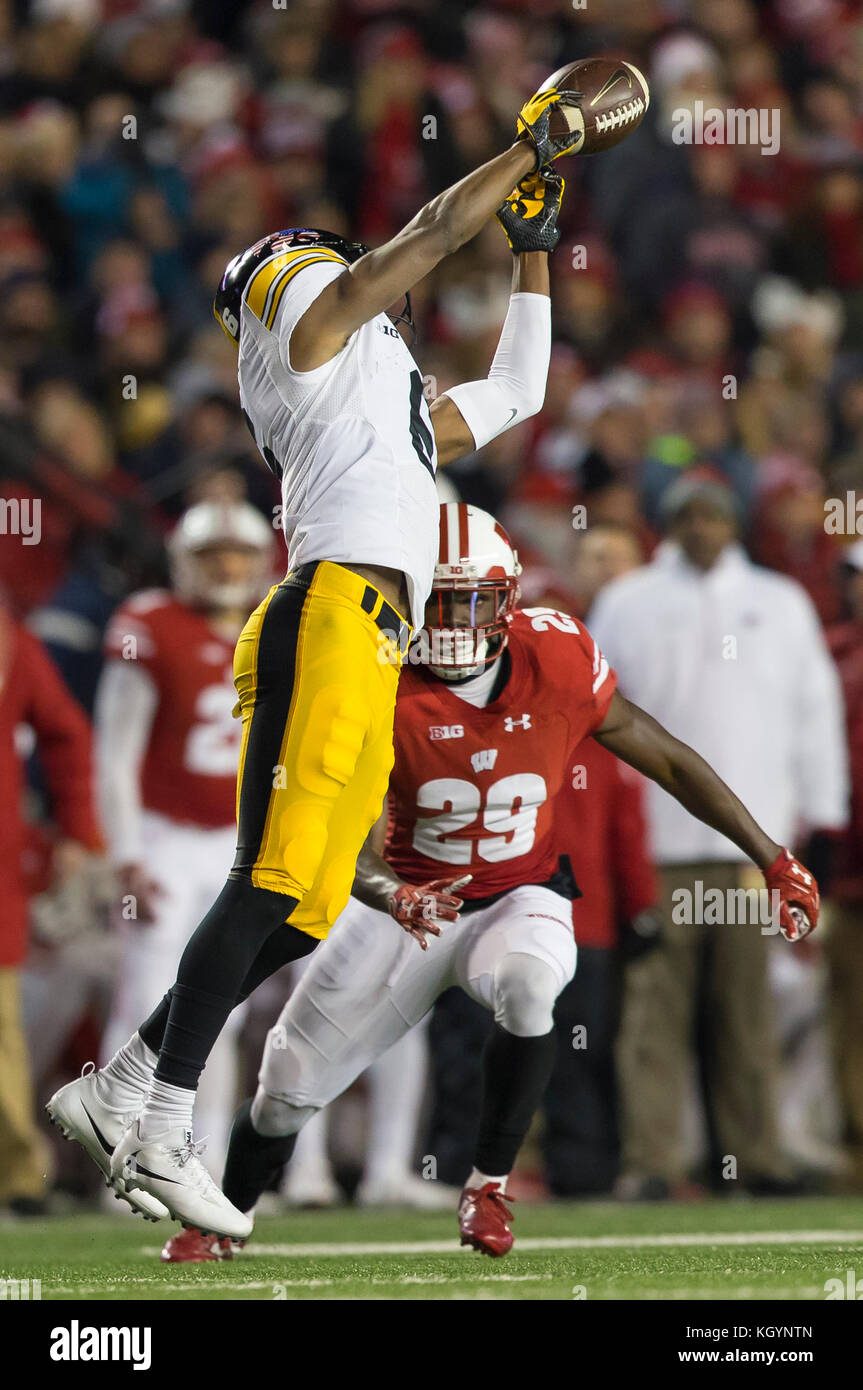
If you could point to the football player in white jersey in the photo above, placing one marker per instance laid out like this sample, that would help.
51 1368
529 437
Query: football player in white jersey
334 400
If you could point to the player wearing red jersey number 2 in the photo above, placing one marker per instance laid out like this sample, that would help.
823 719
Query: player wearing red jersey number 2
335 401
485 728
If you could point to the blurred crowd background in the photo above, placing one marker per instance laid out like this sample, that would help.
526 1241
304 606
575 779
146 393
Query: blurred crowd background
708 321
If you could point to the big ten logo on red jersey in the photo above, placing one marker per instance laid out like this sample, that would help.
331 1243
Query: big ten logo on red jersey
438 731
498 822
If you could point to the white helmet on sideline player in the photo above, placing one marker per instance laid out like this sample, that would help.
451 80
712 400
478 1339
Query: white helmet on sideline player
227 525
477 570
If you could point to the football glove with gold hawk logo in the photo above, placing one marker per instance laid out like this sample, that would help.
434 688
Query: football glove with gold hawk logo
534 124
799 900
529 215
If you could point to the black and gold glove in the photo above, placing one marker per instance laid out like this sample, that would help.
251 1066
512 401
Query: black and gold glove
534 121
529 215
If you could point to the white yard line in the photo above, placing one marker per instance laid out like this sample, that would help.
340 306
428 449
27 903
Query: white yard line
747 1292
151 1281
479 1286
201 1286
526 1244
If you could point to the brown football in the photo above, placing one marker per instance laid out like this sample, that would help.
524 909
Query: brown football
613 97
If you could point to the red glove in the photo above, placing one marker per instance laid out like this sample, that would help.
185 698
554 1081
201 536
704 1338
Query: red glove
798 894
419 908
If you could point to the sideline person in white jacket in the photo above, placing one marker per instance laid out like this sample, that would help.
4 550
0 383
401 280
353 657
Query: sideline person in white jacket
731 659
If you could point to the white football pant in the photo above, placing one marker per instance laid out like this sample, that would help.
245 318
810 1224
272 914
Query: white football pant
370 983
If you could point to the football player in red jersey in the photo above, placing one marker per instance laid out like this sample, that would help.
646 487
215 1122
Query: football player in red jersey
167 749
486 722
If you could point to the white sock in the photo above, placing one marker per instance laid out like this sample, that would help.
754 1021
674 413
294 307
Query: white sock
166 1107
123 1084
478 1179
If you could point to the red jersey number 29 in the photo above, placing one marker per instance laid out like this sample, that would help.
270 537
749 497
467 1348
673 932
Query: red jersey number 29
509 814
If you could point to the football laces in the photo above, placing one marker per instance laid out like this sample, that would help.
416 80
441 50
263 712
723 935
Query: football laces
621 115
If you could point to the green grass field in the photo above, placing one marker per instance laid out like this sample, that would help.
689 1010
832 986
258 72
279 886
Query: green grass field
718 1250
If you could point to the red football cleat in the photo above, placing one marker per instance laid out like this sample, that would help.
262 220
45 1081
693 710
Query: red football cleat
483 1219
192 1247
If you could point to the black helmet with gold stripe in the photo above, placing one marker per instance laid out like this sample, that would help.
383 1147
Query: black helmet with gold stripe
239 271
282 253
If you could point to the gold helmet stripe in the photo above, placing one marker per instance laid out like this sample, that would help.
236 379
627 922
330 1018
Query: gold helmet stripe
278 287
264 290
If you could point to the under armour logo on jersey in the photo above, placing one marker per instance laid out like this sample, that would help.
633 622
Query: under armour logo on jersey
509 723
484 760
446 730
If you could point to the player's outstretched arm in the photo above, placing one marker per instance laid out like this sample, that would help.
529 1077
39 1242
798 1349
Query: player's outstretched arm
417 908
466 417
377 280
639 740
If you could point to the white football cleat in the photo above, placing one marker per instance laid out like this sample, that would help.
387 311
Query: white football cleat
170 1169
79 1114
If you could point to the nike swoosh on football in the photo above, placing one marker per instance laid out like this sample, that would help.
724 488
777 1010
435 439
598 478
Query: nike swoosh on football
615 77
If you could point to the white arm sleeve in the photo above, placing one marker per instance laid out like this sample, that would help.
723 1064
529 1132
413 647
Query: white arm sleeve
515 387
126 702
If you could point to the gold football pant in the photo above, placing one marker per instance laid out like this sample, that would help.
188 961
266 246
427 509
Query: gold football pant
316 671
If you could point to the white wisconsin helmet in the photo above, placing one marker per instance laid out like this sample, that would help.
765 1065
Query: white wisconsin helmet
211 524
476 558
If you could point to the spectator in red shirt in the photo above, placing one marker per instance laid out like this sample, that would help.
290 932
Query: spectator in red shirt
32 695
